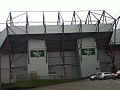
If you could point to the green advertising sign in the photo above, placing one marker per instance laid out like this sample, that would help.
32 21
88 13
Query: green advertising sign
88 51
37 53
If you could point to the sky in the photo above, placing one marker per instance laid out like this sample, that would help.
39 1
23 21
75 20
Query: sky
111 6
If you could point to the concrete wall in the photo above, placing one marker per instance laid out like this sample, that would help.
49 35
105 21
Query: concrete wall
4 68
117 36
89 63
54 58
37 64
104 60
117 59
19 67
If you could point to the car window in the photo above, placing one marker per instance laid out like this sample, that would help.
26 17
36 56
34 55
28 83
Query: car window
107 73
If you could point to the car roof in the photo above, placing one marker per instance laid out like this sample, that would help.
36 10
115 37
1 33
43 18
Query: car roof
103 72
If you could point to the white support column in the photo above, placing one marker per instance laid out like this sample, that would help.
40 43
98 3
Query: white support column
89 64
37 58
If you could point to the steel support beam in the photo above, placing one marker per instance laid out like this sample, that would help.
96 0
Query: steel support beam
98 36
11 20
9 53
0 74
114 43
45 38
62 49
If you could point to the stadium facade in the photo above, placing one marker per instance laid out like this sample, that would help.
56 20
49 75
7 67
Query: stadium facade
58 45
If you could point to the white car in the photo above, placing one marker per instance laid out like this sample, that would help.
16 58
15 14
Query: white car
101 76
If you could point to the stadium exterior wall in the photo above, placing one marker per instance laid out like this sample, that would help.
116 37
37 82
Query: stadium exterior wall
77 66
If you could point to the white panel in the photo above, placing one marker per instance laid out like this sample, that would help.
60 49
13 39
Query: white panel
54 29
58 29
37 64
88 42
17 30
36 44
71 29
117 36
89 63
93 27
3 36
5 68
5 61
22 30
105 27
36 30
5 75
88 28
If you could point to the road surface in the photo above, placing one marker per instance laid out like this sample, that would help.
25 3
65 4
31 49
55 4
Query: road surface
84 85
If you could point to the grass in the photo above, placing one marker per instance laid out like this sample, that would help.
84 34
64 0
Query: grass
32 84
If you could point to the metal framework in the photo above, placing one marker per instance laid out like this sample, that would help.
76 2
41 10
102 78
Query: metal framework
93 17
114 46
0 73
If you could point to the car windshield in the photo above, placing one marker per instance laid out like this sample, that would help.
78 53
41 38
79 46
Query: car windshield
107 73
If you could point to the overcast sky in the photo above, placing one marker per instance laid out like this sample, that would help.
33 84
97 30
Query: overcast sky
111 6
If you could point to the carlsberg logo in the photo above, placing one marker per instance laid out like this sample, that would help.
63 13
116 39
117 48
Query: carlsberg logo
37 53
88 51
